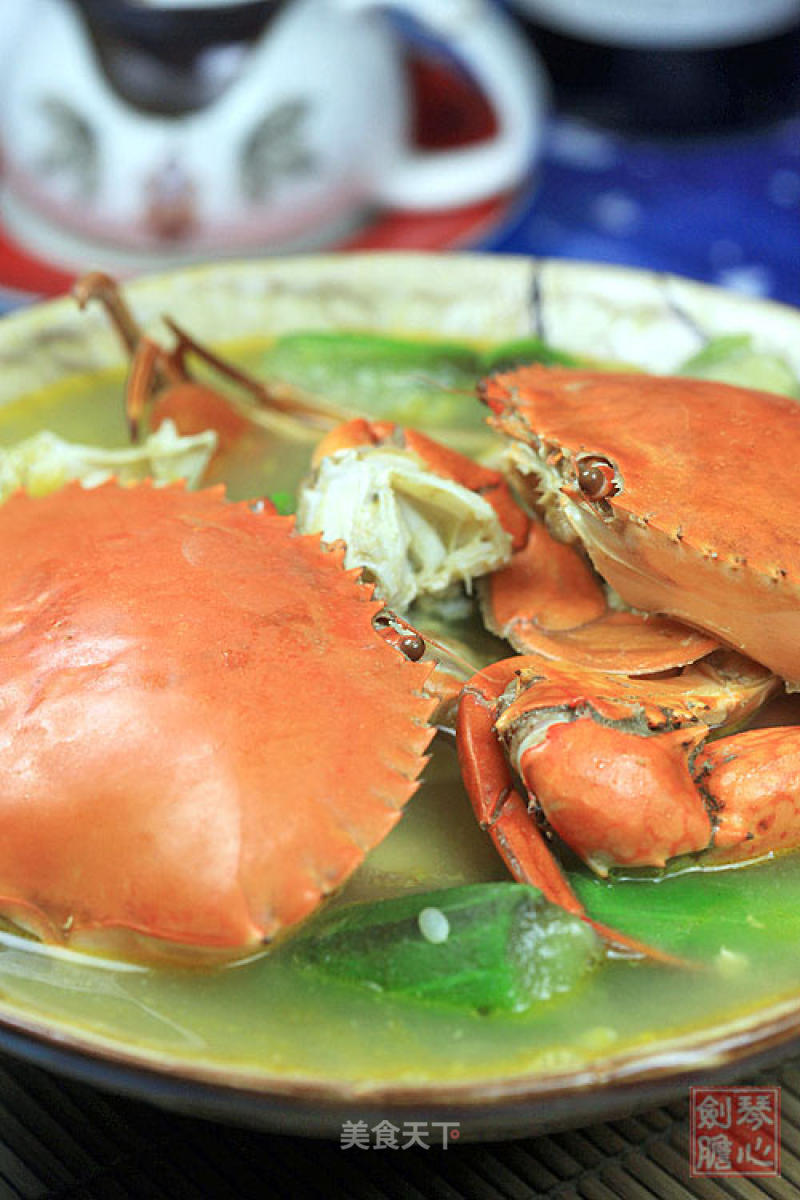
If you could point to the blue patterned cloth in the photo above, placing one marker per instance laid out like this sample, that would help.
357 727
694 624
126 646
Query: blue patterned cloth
724 210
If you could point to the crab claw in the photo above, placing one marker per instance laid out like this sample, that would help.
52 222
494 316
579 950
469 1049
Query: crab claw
614 800
614 766
619 799
753 781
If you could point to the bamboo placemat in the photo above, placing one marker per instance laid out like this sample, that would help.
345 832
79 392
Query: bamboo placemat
68 1141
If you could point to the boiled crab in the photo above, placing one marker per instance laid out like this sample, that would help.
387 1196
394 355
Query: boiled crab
670 486
678 489
647 474
203 726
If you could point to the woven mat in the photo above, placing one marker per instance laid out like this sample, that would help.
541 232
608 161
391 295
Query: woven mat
68 1141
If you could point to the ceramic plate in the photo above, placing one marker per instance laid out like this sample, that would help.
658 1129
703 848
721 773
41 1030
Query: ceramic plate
269 1048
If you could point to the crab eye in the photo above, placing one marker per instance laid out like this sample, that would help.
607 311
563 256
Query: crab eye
597 478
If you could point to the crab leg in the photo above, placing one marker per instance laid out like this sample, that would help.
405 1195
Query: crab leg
498 805
547 600
96 285
162 377
146 365
281 397
192 406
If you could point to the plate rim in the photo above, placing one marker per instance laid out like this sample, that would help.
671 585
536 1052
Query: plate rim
506 1107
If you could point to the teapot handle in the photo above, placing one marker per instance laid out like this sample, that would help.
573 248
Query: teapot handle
492 50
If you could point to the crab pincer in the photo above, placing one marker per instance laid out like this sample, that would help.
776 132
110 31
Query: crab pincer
619 768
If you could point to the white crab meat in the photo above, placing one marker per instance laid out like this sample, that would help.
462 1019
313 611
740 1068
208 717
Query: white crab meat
45 462
415 533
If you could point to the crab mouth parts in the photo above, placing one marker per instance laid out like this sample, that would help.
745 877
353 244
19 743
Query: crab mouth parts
562 488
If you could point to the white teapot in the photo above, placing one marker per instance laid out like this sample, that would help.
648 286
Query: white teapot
176 130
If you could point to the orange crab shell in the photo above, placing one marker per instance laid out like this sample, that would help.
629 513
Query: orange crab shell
703 526
201 732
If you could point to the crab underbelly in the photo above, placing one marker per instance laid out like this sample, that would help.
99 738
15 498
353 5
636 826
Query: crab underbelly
755 613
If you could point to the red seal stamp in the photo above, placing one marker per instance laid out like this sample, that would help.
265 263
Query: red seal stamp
735 1131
